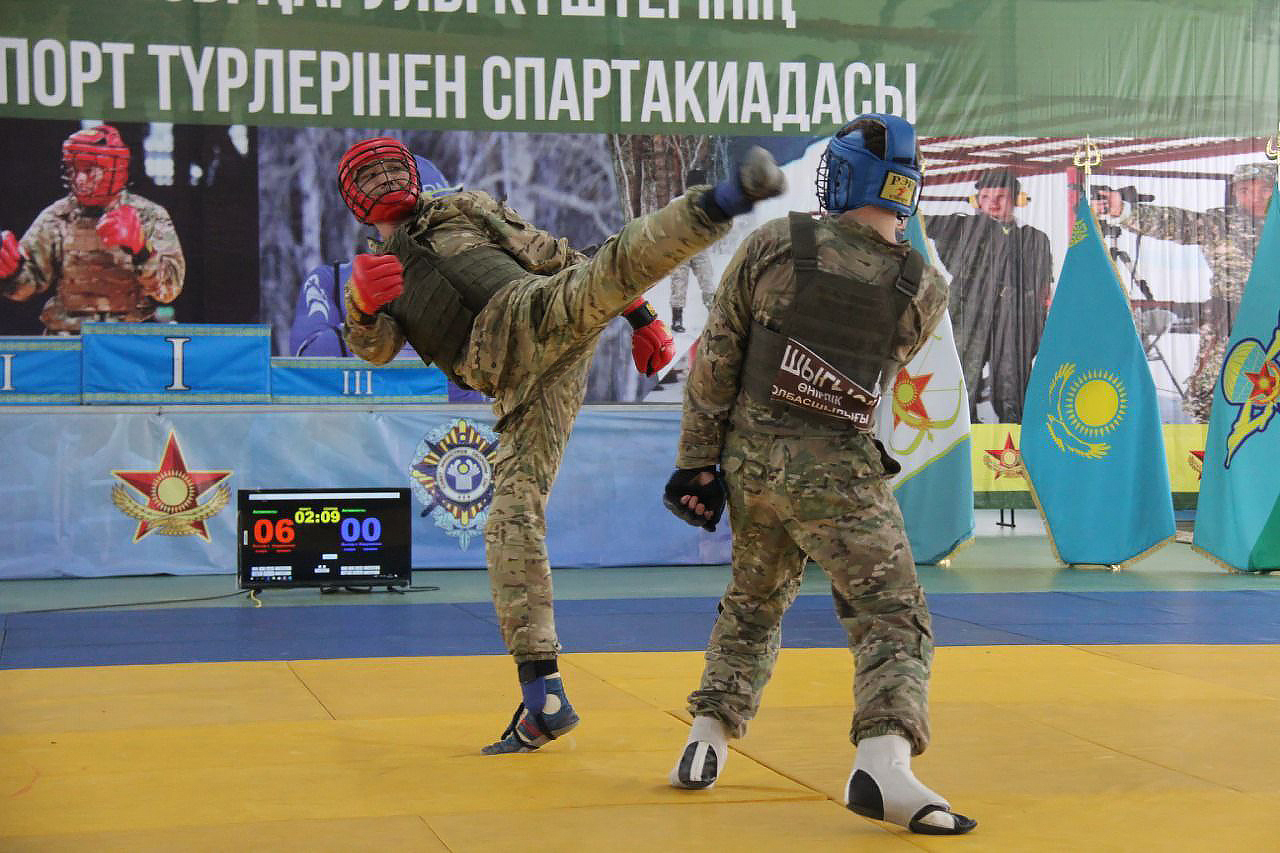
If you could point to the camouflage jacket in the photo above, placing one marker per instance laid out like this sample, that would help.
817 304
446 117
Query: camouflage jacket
760 284
47 241
1228 237
452 224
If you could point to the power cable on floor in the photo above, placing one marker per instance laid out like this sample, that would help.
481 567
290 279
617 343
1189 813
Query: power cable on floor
132 603
252 593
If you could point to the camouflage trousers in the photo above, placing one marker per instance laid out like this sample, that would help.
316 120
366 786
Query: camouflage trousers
793 498
701 269
1198 399
531 348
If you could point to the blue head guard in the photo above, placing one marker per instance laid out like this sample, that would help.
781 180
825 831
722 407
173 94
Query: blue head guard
432 179
850 176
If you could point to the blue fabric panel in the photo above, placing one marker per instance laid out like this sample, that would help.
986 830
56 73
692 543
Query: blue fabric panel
92 638
350 382
176 363
39 370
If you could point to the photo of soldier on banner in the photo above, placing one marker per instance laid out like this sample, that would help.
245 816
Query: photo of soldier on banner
1180 218
125 223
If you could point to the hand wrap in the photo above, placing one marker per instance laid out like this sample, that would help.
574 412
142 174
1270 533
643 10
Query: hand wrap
713 496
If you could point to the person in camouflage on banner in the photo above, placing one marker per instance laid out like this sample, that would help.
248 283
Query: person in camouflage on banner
1228 236
506 309
699 265
103 253
813 315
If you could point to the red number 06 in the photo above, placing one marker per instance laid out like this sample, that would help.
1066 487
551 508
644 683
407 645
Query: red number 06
265 531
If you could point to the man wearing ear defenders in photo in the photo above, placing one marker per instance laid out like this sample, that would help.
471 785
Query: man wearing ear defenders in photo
1000 277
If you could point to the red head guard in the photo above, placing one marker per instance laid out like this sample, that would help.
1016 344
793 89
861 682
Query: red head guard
101 158
378 179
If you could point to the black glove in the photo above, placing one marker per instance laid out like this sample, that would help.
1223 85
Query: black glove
712 496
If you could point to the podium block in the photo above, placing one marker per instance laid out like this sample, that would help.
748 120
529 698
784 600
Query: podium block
36 370
176 363
355 382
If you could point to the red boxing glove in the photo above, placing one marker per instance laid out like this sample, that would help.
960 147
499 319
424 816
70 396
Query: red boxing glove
652 346
375 281
121 228
10 255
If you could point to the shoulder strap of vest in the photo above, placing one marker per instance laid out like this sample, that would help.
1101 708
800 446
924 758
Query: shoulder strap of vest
911 273
804 246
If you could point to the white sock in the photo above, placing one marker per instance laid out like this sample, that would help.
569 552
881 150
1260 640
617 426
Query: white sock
707 740
887 760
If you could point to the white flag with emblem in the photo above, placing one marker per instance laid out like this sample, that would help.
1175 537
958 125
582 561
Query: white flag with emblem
924 424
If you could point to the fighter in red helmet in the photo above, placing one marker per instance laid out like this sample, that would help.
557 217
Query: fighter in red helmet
505 308
101 252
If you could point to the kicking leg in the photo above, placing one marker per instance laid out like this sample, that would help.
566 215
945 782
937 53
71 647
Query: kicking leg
585 297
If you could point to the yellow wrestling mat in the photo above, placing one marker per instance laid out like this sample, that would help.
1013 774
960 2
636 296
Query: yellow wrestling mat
1050 747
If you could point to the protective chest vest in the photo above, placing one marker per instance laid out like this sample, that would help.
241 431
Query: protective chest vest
443 295
824 364
93 278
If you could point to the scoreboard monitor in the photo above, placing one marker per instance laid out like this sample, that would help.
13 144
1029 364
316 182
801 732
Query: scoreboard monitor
323 538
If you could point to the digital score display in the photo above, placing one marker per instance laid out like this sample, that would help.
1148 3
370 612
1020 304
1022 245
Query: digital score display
323 537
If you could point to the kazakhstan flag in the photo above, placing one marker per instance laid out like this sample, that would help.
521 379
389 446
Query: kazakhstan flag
1091 439
1238 515
924 423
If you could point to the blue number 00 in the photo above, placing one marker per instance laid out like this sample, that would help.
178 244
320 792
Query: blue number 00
353 530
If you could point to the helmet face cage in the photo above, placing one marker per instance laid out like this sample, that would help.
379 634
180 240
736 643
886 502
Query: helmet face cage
101 158
851 176
379 180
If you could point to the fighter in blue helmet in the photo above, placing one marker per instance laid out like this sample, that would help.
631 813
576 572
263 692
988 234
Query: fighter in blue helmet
813 316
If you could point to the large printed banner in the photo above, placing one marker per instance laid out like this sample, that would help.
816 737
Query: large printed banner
227 118
649 66
118 492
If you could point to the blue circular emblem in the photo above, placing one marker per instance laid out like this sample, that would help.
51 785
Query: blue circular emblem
452 475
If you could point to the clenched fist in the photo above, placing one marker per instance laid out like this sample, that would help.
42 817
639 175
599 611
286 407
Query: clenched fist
652 346
10 254
375 281
121 228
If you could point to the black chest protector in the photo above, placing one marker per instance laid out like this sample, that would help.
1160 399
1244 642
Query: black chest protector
824 364
443 295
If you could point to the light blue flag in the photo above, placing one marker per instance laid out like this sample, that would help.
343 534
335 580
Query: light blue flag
924 423
1091 439
1241 478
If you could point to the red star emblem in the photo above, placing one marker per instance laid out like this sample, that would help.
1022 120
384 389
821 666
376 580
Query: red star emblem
1266 387
1008 459
1197 462
172 488
907 390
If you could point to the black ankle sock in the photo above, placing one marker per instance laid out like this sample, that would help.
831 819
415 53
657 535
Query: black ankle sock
534 669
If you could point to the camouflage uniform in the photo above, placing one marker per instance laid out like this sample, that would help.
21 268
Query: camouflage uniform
530 349
90 282
799 490
1228 237
701 268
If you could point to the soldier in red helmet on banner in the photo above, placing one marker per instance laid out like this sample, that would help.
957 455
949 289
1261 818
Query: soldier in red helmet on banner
505 308
101 253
